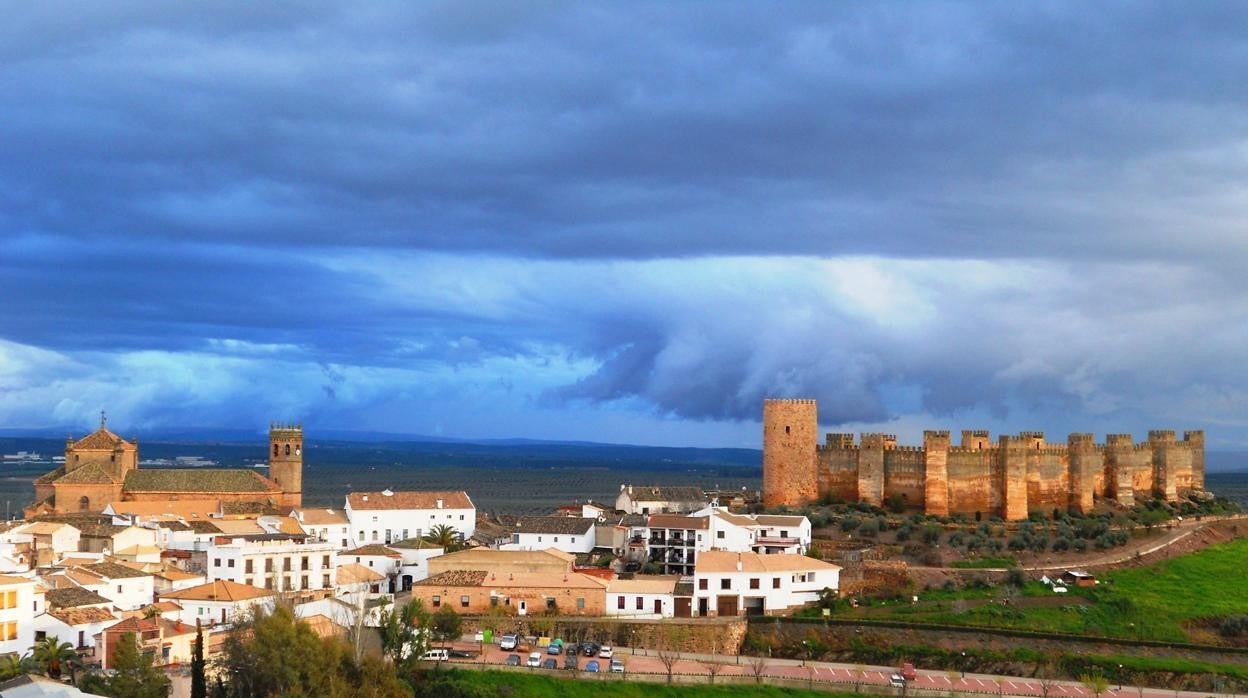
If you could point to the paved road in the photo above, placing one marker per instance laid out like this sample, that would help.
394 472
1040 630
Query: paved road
645 661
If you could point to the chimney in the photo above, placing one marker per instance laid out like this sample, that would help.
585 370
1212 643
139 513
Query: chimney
439 503
740 566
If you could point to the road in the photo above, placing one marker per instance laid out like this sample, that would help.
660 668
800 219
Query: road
824 673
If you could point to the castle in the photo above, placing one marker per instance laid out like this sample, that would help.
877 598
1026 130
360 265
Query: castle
1012 477
102 468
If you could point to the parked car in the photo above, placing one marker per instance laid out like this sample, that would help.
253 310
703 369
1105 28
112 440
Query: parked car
535 659
435 655
513 660
591 649
897 680
592 666
550 663
462 654
606 652
617 667
508 642
574 648
569 662
907 671
632 566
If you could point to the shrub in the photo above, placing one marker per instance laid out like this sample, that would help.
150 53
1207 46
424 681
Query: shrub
1015 577
1080 545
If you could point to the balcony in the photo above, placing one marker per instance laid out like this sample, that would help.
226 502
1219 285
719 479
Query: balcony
777 540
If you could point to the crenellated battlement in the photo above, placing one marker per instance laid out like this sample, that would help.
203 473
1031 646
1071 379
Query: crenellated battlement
1015 476
789 401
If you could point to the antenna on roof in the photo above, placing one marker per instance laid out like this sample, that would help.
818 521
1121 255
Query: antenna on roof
103 419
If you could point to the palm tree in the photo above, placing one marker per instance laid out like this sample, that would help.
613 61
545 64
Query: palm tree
53 656
443 535
11 665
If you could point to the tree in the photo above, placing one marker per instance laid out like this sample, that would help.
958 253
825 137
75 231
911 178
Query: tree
713 667
133 675
1096 683
445 625
403 633
758 667
12 665
53 656
671 637
444 536
199 681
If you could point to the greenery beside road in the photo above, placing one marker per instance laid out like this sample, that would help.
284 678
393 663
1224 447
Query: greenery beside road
523 685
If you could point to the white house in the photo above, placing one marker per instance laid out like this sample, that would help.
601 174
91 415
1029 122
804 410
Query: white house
414 562
387 516
77 626
17 629
325 525
643 596
378 558
673 541
218 602
660 499
766 534
731 584
273 561
128 588
48 540
570 534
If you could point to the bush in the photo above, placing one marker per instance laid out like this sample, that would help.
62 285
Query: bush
849 523
903 533
1015 577
1080 545
1061 544
931 534
1017 543
957 538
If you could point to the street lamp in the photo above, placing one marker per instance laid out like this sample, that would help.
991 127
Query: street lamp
1119 677
964 664
805 653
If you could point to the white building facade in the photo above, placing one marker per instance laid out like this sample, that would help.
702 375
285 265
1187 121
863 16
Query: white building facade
734 584
275 562
388 516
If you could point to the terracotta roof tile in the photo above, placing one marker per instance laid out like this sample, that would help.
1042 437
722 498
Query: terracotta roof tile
354 573
82 616
666 493
693 523
720 561
196 480
112 570
102 440
373 549
557 525
219 590
89 474
455 578
73 597
50 476
321 517
185 508
386 499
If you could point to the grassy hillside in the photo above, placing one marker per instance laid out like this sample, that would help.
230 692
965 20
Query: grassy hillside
1158 602
523 685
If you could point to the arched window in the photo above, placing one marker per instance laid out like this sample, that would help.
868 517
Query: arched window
84 503
275 449
288 449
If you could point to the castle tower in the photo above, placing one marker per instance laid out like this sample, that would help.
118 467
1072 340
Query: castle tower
1014 476
936 468
871 466
1196 441
790 435
1118 479
286 461
1085 461
1166 463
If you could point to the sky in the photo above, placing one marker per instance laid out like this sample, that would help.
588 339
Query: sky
625 222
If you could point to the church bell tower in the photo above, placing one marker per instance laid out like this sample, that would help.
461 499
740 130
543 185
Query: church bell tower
286 461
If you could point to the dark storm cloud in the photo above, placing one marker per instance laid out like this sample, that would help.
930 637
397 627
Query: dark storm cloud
937 209
648 130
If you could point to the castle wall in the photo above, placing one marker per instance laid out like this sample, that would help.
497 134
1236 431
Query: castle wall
838 472
1196 442
1013 453
1048 478
904 475
871 469
1085 464
790 432
936 473
973 474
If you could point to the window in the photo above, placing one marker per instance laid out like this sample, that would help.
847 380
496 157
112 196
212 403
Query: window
436 601
268 564
303 581
574 540
216 562
580 603
464 601
118 588
325 582
725 584
405 534
786 428
388 535
784 533
374 519
556 539
247 566
10 599
775 582
702 584
640 604
719 534
461 517
288 449
753 582
374 536
539 539
325 561
360 537
229 563
84 503
619 602
493 601
550 603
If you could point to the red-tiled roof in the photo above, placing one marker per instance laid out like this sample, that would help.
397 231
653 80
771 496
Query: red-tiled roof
451 499
102 440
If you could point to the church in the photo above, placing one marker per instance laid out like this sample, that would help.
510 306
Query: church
102 468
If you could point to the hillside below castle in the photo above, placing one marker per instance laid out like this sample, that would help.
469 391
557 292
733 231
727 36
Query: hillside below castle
1012 477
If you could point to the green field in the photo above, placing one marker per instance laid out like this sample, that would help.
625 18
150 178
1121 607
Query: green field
525 685
1151 603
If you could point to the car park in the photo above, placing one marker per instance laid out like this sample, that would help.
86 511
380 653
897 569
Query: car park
550 663
592 666
535 659
606 652
617 667
508 642
513 660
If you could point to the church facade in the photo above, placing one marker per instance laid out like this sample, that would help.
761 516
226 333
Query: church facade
102 468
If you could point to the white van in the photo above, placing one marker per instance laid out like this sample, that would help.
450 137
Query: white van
436 655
